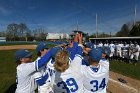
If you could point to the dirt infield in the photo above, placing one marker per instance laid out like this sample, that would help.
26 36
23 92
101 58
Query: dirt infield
17 47
114 85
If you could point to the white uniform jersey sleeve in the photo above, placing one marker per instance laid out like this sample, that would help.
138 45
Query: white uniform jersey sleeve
104 63
25 78
38 74
26 68
77 62
25 74
138 47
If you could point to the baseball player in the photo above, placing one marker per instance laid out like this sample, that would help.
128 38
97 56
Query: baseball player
106 44
26 69
67 78
112 49
125 52
42 76
131 47
71 50
100 44
119 51
95 76
135 53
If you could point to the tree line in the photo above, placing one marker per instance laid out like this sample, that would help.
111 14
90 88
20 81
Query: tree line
126 30
20 32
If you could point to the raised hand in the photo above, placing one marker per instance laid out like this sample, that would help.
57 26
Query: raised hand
80 38
76 38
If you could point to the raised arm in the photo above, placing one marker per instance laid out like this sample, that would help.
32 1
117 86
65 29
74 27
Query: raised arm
43 60
75 45
76 63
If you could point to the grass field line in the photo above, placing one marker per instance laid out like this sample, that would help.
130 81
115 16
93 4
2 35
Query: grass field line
124 85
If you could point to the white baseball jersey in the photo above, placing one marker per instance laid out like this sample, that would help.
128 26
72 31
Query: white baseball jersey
43 80
125 51
100 45
25 74
135 53
106 44
71 80
137 48
95 79
50 67
25 78
118 47
112 47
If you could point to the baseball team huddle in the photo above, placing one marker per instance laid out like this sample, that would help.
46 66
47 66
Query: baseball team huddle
62 69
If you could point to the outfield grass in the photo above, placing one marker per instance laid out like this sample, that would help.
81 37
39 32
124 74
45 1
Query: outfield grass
8 69
126 69
24 43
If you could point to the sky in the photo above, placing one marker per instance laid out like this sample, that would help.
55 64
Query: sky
62 16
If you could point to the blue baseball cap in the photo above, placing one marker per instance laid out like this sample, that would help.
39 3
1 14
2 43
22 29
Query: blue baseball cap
95 54
89 45
102 49
54 50
22 54
41 46
105 50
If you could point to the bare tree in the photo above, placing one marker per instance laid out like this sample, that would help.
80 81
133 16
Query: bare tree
11 32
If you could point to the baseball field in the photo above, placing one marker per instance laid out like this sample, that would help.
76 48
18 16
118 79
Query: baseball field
118 70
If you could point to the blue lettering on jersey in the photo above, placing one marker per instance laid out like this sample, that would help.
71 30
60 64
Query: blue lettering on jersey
51 71
16 78
52 61
69 83
64 86
41 80
103 84
96 86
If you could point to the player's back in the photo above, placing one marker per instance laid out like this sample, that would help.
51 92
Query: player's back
69 81
95 79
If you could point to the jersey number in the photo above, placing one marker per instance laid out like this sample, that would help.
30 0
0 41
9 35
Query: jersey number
97 86
69 83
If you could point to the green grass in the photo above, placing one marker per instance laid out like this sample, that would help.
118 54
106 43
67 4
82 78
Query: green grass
8 68
126 69
20 43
